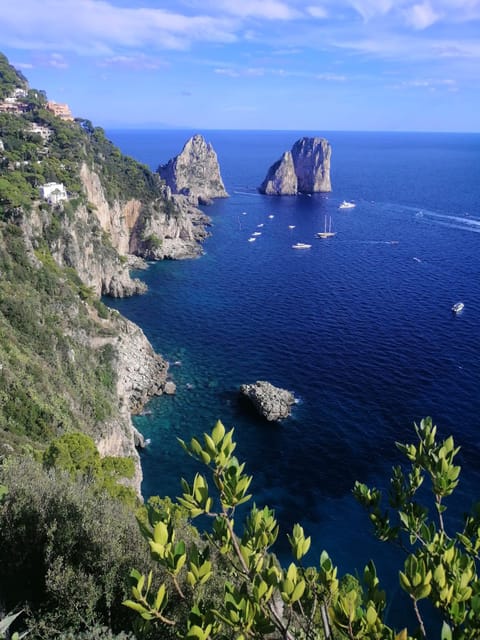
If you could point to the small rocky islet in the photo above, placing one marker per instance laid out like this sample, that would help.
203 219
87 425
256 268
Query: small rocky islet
272 403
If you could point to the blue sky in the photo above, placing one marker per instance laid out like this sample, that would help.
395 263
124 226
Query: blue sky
400 65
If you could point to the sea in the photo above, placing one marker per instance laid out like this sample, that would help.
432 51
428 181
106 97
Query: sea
359 327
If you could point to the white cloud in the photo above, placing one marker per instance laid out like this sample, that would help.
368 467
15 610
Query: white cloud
267 9
369 9
429 84
330 77
98 27
421 16
23 65
316 12
252 72
136 62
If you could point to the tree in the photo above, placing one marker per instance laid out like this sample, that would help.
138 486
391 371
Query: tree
440 564
261 598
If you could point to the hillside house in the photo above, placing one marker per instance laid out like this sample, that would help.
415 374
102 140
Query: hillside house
40 130
60 110
53 192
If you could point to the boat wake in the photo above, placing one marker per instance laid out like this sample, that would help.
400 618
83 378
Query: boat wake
248 193
465 223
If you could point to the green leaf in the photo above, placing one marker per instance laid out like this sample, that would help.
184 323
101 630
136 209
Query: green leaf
446 633
136 606
218 432
160 597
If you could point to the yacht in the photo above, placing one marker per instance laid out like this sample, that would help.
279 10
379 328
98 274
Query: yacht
347 205
327 231
301 245
458 307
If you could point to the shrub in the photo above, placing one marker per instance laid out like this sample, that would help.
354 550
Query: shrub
66 549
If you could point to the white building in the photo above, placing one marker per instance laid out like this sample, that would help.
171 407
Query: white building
40 130
53 192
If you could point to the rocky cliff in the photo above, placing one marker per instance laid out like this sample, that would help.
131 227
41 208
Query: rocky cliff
97 238
304 169
141 373
68 363
195 172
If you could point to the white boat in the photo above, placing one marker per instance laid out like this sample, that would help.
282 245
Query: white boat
260 225
291 226
256 233
458 307
271 215
327 232
251 239
301 245
347 205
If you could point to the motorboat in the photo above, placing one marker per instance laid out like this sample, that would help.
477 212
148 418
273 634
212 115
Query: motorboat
301 245
256 233
347 205
458 307
251 239
291 226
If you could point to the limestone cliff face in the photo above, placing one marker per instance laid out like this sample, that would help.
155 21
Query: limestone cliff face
304 169
195 172
170 228
141 373
79 242
96 238
281 178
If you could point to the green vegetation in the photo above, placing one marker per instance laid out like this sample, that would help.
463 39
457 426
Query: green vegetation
77 454
51 381
66 548
262 599
10 78
120 174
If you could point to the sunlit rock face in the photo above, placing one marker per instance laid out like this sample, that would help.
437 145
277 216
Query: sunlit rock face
195 172
304 169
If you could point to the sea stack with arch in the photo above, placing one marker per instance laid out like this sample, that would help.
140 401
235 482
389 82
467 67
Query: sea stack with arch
304 169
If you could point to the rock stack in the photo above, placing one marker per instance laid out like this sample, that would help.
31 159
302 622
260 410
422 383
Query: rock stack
304 169
195 172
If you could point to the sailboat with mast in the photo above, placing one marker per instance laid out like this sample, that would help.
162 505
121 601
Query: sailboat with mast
327 231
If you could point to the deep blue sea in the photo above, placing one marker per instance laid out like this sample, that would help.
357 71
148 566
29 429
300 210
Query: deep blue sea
359 327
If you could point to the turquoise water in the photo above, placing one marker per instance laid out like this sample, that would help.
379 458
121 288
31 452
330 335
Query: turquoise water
359 327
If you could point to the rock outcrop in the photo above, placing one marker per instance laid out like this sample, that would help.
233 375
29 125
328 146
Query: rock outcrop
195 172
273 403
304 169
141 374
171 228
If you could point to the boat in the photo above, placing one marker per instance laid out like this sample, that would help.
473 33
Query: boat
458 307
301 245
256 233
260 225
326 233
291 226
251 239
347 205
271 216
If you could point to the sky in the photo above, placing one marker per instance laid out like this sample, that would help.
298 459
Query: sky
326 65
